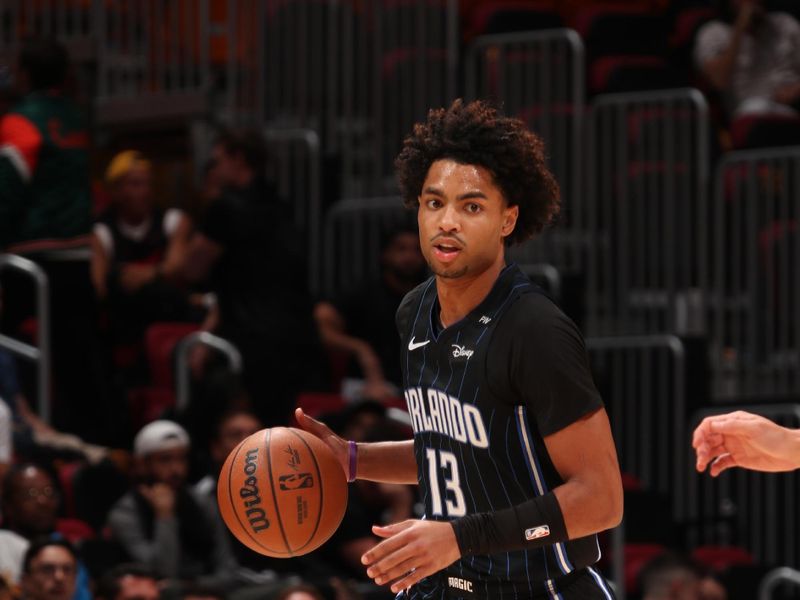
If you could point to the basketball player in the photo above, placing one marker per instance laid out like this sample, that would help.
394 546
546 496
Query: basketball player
512 446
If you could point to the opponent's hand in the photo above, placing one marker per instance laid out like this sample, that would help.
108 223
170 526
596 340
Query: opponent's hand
741 439
160 497
412 550
323 432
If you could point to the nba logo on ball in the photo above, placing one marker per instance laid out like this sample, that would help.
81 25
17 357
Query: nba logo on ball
282 492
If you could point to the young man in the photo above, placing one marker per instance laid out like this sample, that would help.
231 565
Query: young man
50 569
512 446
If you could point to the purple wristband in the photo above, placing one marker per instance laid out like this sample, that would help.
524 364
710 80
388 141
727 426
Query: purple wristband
353 459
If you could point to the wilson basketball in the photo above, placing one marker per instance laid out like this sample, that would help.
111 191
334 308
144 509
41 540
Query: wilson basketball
282 492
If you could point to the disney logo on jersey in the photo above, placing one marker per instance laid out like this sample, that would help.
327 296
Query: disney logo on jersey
462 351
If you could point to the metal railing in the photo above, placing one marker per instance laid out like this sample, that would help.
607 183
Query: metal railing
152 59
360 75
354 231
40 352
643 382
539 78
753 510
754 288
775 578
296 167
647 185
231 352
72 22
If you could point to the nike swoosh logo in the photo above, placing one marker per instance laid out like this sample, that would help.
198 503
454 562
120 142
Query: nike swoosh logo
413 346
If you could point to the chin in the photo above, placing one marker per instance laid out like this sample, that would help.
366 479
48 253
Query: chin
454 273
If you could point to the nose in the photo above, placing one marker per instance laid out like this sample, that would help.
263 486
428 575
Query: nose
448 221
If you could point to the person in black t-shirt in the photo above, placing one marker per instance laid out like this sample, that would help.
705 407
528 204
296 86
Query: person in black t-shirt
136 253
512 447
361 323
256 258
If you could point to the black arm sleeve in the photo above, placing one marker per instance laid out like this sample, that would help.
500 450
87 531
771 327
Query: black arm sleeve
534 523
548 369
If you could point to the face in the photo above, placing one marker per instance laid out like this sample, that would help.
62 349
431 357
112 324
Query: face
227 167
134 192
33 505
52 575
132 587
403 256
232 431
463 220
168 466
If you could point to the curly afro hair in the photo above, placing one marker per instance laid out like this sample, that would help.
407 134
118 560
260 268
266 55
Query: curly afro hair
475 134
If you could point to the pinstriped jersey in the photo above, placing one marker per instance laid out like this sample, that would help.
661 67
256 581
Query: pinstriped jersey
482 394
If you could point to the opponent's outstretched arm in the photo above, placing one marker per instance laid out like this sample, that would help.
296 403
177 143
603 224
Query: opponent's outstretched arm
742 439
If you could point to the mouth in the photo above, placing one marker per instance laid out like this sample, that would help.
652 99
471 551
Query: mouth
446 251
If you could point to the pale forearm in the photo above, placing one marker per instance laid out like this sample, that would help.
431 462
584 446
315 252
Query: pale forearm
387 462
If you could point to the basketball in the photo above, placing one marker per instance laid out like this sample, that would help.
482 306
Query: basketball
282 492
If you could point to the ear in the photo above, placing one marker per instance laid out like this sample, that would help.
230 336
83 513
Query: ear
510 216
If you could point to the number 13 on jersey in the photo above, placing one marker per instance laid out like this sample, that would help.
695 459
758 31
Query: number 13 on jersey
446 463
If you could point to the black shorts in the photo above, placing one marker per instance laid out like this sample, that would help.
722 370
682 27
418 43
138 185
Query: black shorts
583 584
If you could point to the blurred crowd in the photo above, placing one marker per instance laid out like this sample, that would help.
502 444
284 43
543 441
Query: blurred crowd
114 496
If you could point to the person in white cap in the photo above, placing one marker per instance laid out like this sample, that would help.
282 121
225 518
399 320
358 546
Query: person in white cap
159 522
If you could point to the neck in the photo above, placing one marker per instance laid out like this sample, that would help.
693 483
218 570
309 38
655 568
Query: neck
458 297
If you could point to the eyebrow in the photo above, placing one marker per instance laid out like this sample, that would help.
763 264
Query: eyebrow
465 196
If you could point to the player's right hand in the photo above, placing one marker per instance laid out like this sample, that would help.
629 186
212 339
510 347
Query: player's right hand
323 432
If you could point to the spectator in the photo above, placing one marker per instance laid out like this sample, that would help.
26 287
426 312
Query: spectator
137 251
44 159
753 57
12 550
50 570
362 323
249 244
31 502
232 427
32 438
45 215
674 577
128 581
159 522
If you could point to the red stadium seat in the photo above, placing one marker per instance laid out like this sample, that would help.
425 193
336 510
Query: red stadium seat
636 557
74 530
611 74
512 15
720 558
160 342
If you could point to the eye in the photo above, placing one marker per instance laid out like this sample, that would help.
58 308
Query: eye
433 203
474 207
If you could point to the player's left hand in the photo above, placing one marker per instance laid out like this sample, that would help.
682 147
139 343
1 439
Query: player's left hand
412 550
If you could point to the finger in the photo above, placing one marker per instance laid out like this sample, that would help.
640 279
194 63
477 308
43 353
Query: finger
309 423
410 579
707 453
388 553
387 531
396 572
723 463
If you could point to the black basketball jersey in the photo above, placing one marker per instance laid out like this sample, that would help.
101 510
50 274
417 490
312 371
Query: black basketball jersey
482 394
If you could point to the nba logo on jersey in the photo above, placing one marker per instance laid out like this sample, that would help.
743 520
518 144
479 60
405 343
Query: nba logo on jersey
534 533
